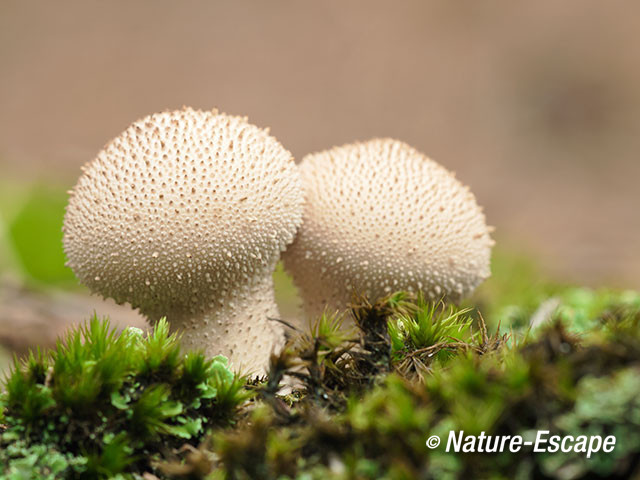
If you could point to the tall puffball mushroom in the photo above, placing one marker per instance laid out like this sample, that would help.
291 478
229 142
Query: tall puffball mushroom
380 217
185 215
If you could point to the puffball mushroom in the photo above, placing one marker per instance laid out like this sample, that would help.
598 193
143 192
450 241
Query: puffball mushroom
381 217
185 215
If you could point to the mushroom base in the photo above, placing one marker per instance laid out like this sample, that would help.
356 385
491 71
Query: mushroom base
316 301
240 326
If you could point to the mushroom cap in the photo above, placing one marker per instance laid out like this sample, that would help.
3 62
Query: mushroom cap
381 217
179 209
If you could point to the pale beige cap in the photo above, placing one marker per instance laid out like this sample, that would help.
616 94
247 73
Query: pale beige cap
185 215
381 217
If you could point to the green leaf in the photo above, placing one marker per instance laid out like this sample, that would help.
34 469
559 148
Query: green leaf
120 401
35 234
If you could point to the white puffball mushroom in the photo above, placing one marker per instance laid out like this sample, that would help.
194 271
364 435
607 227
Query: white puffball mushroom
185 215
381 217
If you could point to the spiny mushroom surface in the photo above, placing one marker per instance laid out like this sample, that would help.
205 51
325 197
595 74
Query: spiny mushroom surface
381 217
185 215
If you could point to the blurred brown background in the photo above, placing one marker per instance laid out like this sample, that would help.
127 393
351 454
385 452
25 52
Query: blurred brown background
535 105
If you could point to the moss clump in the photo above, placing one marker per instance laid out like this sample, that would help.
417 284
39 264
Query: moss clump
104 403
466 380
363 401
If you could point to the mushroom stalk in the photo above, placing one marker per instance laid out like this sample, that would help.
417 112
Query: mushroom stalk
239 324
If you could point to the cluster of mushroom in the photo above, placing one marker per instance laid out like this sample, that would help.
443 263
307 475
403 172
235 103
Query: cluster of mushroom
186 214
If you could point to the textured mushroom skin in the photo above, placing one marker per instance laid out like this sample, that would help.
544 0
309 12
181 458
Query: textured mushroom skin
185 215
237 327
381 217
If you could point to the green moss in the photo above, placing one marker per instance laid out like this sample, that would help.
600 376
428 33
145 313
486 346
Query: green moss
514 291
551 380
105 403
363 402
